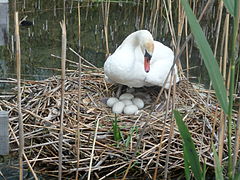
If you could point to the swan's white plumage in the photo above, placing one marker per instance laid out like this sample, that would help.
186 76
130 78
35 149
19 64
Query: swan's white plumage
126 65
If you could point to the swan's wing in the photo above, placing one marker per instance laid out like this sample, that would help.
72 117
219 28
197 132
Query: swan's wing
162 52
162 61
117 66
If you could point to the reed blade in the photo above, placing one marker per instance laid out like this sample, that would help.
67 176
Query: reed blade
218 168
190 153
208 57
186 165
116 130
229 4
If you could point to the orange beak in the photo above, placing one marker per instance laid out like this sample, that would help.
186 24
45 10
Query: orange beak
147 58
146 64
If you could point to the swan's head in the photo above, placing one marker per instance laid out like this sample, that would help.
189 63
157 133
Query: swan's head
148 51
146 42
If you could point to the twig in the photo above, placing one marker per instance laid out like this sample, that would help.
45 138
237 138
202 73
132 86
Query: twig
93 147
18 62
64 47
29 165
79 92
113 171
237 139
172 124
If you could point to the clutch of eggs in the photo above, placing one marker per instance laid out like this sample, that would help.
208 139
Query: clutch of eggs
127 104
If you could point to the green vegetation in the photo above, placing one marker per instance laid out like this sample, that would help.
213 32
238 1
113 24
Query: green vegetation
190 154
118 135
116 130
220 90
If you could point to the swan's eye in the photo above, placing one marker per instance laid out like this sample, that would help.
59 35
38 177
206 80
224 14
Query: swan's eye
147 55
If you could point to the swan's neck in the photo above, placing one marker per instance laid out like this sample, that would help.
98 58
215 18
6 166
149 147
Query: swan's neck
131 42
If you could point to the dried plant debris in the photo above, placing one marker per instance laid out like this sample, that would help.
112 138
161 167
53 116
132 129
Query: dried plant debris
136 152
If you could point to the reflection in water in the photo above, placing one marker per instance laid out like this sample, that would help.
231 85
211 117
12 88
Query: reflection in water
4 31
43 37
4 21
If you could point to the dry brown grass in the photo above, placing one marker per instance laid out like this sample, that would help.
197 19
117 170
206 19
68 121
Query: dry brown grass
41 118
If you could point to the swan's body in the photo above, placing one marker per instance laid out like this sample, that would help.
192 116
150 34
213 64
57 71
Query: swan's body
127 66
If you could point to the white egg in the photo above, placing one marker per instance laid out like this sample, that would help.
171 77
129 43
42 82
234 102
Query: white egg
111 101
138 102
130 109
127 102
118 107
126 96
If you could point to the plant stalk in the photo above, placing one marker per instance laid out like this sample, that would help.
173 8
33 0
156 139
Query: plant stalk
79 94
20 118
64 47
231 89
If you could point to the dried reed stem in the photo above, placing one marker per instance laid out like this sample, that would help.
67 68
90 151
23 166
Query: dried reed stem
20 120
24 155
63 62
223 118
93 148
143 13
41 114
117 169
155 17
79 94
105 12
168 11
44 99
83 59
187 53
226 27
237 141
163 130
79 26
172 124
64 10
218 27
127 170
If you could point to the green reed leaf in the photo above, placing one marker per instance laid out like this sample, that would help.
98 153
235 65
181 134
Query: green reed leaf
229 4
218 168
208 57
116 129
186 164
190 153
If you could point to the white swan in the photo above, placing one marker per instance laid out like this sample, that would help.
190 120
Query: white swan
140 61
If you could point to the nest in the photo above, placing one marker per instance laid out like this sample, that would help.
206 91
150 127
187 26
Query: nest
149 140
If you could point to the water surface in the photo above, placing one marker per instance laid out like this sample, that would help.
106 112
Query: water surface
43 39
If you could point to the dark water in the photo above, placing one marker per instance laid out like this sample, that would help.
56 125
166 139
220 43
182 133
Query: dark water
43 38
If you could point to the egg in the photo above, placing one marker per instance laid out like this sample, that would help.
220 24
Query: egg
126 96
130 109
118 107
111 101
138 102
127 102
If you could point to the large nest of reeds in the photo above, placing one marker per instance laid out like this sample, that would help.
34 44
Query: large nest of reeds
149 140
